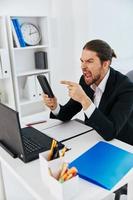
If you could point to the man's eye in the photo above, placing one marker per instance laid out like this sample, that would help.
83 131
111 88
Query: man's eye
90 61
87 61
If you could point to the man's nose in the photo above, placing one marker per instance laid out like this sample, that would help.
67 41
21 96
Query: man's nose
83 65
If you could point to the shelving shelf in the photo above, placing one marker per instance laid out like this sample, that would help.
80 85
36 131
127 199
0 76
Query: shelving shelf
33 72
24 70
30 47
26 101
43 115
6 84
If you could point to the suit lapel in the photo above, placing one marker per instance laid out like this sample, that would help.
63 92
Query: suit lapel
90 93
108 90
87 88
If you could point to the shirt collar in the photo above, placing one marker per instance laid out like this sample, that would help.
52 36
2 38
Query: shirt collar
102 84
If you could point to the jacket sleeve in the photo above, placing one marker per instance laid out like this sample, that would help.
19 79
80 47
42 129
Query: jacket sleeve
67 111
109 125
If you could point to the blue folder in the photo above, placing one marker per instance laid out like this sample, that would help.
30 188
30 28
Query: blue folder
104 164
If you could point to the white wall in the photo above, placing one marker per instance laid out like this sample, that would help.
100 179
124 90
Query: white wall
73 23
78 21
111 21
24 7
62 46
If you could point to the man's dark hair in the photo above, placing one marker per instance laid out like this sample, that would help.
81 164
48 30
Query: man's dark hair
103 50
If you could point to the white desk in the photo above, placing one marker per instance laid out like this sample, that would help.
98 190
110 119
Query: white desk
30 178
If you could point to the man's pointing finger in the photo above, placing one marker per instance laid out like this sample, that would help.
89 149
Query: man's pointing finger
69 83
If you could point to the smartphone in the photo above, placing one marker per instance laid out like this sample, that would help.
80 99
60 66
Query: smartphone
45 85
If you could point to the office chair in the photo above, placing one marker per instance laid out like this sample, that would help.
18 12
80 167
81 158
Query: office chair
123 190
130 75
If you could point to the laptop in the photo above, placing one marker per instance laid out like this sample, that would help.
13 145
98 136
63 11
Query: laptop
25 143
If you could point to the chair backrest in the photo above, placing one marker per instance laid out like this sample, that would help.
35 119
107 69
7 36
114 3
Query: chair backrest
130 75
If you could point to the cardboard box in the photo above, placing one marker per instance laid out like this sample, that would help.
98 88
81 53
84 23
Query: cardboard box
62 191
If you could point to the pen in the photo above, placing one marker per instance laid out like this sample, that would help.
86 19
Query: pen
37 122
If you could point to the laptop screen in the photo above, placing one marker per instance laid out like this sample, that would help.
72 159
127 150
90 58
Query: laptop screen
10 135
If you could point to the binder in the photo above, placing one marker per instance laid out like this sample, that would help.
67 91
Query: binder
4 63
104 164
15 37
67 130
1 74
39 89
30 88
18 31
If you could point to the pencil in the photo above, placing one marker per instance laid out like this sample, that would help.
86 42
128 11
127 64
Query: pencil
63 151
53 145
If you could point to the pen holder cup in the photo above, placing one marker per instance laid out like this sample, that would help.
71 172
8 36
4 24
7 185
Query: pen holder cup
62 191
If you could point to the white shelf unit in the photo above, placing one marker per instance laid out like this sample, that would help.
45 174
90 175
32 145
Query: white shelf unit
24 69
6 85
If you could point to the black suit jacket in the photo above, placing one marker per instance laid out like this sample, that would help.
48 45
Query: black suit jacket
114 116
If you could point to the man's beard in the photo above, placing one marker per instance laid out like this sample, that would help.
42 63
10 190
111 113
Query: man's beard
90 81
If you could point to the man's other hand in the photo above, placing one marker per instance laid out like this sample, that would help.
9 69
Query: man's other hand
50 102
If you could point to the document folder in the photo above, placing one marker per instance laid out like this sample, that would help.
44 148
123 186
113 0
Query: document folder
104 164
67 130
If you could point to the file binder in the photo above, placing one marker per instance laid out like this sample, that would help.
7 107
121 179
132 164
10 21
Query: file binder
38 89
4 63
15 37
104 164
18 31
1 73
30 90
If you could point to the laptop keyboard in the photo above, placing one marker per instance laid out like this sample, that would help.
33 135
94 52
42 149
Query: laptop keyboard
30 145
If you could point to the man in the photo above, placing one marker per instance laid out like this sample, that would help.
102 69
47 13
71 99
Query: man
110 110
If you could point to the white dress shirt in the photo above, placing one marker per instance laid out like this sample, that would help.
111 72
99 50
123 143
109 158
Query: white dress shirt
99 90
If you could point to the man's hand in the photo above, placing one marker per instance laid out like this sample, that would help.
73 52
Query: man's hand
77 93
50 102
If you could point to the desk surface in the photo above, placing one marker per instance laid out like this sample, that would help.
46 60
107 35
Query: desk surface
30 177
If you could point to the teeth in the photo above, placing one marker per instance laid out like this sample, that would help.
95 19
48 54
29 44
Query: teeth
87 75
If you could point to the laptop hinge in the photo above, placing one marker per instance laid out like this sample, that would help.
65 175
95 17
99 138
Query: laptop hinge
14 155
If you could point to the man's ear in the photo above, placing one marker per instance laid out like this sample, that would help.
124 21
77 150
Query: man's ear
106 64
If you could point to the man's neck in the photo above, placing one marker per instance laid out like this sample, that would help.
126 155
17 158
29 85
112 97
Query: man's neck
102 77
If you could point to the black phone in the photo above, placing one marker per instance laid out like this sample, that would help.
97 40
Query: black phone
45 85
